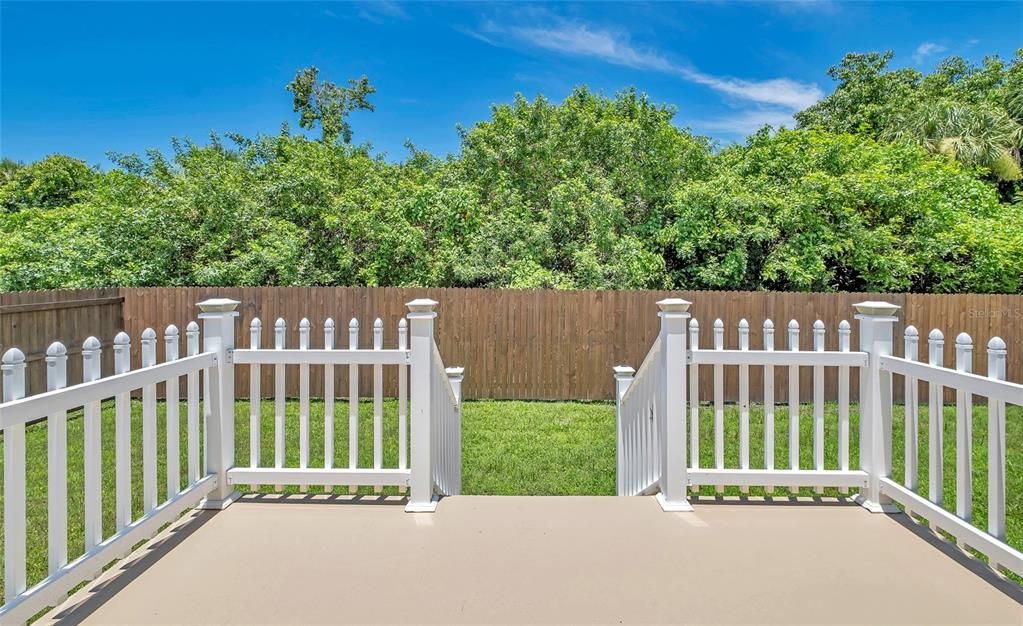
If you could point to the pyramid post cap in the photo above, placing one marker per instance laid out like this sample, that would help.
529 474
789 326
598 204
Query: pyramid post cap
218 305
877 307
673 305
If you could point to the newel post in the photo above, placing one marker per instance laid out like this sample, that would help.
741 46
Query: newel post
624 375
672 398
420 316
877 321
455 377
218 336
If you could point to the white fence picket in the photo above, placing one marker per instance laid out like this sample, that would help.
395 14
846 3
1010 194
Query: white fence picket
996 450
56 466
844 340
173 429
122 436
794 400
255 397
964 432
353 402
912 410
280 342
719 402
149 497
935 421
303 400
328 402
744 402
378 401
694 399
192 386
769 403
818 402
402 399
13 369
93 505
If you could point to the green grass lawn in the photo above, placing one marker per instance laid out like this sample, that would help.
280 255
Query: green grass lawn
510 448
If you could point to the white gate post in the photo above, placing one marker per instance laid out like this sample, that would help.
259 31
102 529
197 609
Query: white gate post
672 398
218 336
877 321
421 314
624 375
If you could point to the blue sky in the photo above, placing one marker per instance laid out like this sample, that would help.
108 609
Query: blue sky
85 78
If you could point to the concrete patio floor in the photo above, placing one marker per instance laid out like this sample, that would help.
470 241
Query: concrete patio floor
544 560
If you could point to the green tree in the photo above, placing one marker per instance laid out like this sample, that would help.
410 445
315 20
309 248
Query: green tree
326 104
57 180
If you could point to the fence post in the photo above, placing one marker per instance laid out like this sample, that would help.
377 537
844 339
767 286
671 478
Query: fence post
218 336
624 375
455 376
672 398
421 315
877 321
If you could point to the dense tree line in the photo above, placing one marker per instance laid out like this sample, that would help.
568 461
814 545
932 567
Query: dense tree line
895 182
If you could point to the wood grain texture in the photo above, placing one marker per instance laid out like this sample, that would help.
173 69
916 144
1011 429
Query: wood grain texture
514 344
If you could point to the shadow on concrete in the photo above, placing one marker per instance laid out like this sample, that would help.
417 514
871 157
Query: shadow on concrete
960 556
321 498
128 570
772 500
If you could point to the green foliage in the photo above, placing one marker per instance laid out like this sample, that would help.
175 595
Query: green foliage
325 103
815 211
594 192
55 181
973 114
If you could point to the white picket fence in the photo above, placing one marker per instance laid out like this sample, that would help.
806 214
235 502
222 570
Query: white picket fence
658 452
434 419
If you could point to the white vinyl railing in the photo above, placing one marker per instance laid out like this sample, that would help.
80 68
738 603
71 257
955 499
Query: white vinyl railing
429 398
327 358
637 406
446 429
64 570
966 384
768 358
648 460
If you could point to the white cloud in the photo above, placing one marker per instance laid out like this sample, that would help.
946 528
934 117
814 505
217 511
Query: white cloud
379 10
746 122
926 50
583 40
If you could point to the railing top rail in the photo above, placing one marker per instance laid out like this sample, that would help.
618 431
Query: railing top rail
291 356
974 383
780 357
649 361
33 407
438 365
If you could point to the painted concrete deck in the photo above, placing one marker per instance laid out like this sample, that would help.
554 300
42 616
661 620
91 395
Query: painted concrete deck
533 560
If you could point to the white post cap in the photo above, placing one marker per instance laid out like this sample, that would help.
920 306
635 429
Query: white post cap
422 307
455 372
674 305
624 371
218 305
876 308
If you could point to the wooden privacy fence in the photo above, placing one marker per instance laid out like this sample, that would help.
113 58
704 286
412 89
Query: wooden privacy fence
519 344
31 320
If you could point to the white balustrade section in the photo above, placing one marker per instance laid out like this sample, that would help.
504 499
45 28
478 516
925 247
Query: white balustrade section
442 410
65 571
966 384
